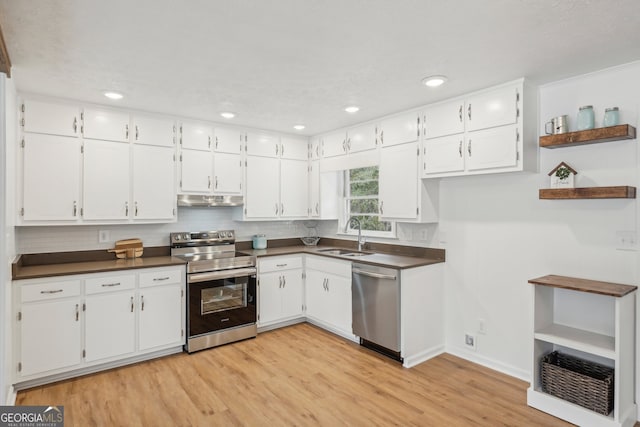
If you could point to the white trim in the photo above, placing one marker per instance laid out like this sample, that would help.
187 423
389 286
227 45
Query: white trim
423 356
12 395
487 362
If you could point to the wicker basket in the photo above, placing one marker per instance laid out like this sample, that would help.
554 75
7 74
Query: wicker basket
578 381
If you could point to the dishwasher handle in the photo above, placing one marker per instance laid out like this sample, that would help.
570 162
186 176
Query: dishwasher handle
372 274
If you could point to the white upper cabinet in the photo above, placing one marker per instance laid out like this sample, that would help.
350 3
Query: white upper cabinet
51 178
399 129
228 140
361 138
150 130
263 144
196 136
263 187
498 107
196 175
493 148
227 173
154 195
444 154
294 190
399 181
106 180
294 148
107 125
334 144
444 119
50 118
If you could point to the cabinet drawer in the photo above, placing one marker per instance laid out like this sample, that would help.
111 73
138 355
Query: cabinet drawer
328 265
49 290
280 263
162 277
97 285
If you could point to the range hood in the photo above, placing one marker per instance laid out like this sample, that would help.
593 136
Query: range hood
209 201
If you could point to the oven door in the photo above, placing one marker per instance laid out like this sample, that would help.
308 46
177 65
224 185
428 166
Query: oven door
220 300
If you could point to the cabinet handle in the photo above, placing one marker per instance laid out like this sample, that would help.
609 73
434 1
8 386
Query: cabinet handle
110 285
209 137
137 132
126 131
136 209
460 113
280 282
276 149
349 144
460 148
469 111
126 208
344 145
317 148
216 182
75 125
77 312
469 148
57 291
132 304
141 302
160 279
276 209
209 185
281 265
75 208
281 209
324 284
282 150
217 143
382 136
327 284
284 281
317 208
418 127
381 207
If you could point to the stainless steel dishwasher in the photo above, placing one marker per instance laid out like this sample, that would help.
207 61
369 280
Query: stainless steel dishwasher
375 293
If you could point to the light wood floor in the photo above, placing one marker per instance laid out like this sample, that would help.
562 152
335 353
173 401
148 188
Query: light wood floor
300 375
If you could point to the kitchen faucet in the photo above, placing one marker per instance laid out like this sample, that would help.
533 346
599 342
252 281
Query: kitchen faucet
361 241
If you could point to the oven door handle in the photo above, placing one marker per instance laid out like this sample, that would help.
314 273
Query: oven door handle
223 274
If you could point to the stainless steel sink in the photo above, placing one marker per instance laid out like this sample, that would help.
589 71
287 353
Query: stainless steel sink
342 252
356 254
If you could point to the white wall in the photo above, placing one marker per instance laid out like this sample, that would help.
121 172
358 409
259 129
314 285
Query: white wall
498 234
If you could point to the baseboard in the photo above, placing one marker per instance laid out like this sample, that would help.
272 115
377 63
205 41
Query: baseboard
12 394
489 363
276 325
333 330
423 356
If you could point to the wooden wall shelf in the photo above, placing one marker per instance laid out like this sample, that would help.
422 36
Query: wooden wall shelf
584 285
620 192
591 136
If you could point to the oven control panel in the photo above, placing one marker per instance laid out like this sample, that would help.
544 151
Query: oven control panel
202 237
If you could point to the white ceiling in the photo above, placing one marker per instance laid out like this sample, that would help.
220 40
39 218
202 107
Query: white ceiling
282 62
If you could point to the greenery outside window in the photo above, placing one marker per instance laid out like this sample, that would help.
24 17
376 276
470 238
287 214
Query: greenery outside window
361 201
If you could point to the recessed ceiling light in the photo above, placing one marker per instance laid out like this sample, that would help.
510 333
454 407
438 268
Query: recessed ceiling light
113 95
434 81
228 115
298 127
352 109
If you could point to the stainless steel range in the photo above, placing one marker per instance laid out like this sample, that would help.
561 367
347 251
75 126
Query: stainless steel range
221 288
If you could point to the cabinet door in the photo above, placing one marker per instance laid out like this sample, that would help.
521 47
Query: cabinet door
493 148
196 172
196 136
398 181
160 320
154 195
334 144
227 173
228 141
51 186
50 336
105 124
490 109
51 118
263 144
362 138
339 307
314 189
294 148
154 131
293 188
109 325
291 293
443 155
400 129
270 308
106 180
316 296
263 185
444 119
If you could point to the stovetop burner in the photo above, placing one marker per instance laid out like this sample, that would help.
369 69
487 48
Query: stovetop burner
209 251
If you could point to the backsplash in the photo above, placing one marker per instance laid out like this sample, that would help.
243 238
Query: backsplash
31 240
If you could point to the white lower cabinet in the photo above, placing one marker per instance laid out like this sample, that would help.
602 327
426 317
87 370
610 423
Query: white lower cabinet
328 294
280 289
70 325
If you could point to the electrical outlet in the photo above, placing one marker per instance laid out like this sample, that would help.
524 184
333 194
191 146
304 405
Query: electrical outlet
482 326
626 240
470 341
103 236
424 234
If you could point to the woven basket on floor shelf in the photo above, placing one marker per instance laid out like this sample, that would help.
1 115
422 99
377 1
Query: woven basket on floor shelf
578 381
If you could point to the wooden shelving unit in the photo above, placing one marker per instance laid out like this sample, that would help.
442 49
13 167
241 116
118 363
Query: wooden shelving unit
619 192
591 136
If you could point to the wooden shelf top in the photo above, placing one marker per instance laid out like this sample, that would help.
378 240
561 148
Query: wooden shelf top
584 285
619 192
591 136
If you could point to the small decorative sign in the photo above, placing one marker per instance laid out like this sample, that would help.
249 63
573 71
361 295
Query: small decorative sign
562 176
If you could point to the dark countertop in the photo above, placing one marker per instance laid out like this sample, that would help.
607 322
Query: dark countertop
31 266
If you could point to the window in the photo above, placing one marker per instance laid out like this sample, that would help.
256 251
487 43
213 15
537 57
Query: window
361 201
